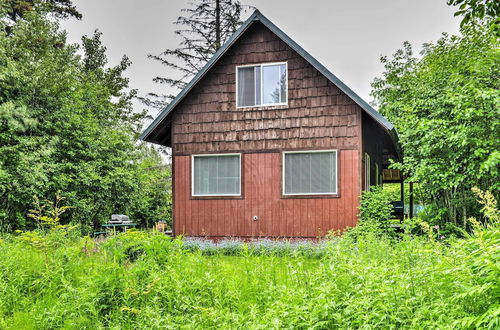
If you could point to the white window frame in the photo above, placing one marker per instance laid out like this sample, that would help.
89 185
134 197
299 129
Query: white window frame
367 171
310 152
261 98
377 175
213 195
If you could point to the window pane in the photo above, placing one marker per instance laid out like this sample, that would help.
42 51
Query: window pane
262 84
310 173
283 83
272 82
246 86
216 175
257 86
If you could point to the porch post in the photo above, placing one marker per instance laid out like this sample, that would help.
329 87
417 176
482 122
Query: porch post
411 199
402 190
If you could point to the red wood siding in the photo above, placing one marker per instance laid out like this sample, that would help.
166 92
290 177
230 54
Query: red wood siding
279 217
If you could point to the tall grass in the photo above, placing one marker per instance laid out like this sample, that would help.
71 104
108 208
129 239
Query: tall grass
141 280
145 280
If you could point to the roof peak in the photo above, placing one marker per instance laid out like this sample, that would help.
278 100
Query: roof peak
256 12
258 16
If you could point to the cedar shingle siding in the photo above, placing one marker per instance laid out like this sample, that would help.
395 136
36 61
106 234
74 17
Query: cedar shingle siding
318 114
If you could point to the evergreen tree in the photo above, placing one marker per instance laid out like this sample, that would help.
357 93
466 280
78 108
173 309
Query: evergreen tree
15 10
203 30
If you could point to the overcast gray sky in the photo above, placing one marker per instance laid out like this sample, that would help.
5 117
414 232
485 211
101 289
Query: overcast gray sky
347 36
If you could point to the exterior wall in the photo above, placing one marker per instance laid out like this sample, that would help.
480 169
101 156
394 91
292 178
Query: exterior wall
373 141
262 196
318 114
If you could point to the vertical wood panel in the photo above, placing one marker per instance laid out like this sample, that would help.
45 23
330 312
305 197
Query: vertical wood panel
181 203
219 218
346 169
279 217
195 217
177 196
183 185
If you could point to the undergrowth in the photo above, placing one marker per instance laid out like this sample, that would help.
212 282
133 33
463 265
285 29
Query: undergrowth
146 280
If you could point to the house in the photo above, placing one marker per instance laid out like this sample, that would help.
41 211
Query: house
266 142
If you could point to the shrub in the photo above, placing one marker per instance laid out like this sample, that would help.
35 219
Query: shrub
133 244
375 213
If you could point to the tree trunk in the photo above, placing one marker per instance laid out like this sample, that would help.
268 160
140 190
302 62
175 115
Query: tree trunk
217 25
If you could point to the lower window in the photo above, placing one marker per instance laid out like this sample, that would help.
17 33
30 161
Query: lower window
216 175
310 172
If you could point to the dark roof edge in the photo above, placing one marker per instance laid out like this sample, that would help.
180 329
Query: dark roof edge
257 16
199 75
321 68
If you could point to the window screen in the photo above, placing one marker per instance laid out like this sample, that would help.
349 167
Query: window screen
216 175
264 84
246 86
310 173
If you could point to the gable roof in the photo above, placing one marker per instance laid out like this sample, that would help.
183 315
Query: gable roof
257 16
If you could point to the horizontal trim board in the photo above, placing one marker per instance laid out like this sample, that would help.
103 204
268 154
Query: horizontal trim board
258 151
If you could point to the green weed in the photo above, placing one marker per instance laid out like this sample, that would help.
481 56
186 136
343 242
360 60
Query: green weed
145 280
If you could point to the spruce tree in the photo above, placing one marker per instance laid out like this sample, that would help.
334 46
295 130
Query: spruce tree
17 9
13 11
203 29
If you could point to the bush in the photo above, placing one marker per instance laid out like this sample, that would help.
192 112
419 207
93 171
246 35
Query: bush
375 213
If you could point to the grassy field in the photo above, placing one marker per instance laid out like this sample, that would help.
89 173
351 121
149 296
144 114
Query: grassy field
146 280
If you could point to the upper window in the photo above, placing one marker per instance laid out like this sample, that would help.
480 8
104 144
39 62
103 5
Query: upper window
310 173
262 84
216 175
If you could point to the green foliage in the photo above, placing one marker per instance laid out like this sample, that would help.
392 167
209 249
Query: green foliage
152 200
472 10
15 10
145 280
375 213
66 124
375 206
48 212
489 209
481 255
446 108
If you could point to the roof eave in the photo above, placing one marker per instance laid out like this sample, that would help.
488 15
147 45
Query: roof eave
165 111
257 16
